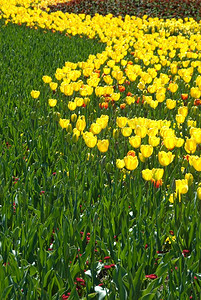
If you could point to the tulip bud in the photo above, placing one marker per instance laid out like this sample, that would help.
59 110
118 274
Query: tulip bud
69 128
115 134
73 118
68 137
199 193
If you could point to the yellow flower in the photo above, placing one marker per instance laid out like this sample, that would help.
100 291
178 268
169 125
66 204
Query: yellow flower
53 86
103 121
142 158
126 131
81 123
199 192
72 105
171 103
173 87
121 121
190 146
172 197
157 174
103 145
153 131
95 128
141 131
135 141
183 110
165 158
196 163
195 92
189 178
146 150
180 119
73 118
154 141
115 96
35 94
179 142
64 123
46 79
181 187
52 102
131 162
90 139
170 142
79 101
147 174
120 164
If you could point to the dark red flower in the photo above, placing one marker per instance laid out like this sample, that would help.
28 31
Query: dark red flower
151 276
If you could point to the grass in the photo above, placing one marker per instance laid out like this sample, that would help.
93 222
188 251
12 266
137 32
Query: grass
71 222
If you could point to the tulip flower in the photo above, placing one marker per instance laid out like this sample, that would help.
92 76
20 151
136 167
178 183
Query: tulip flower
120 164
35 94
135 141
165 158
52 102
103 145
81 123
146 150
131 162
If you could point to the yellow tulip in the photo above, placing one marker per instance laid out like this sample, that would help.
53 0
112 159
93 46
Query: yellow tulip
120 164
115 96
79 101
147 174
126 131
90 139
53 85
142 158
64 123
170 142
179 142
152 131
183 110
196 163
180 119
189 178
181 187
103 121
35 94
81 123
165 158
199 192
135 141
131 162
195 92
121 121
146 150
190 145
95 128
171 103
173 87
46 79
73 118
154 141
172 197
72 105
52 102
103 145
141 131
157 174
